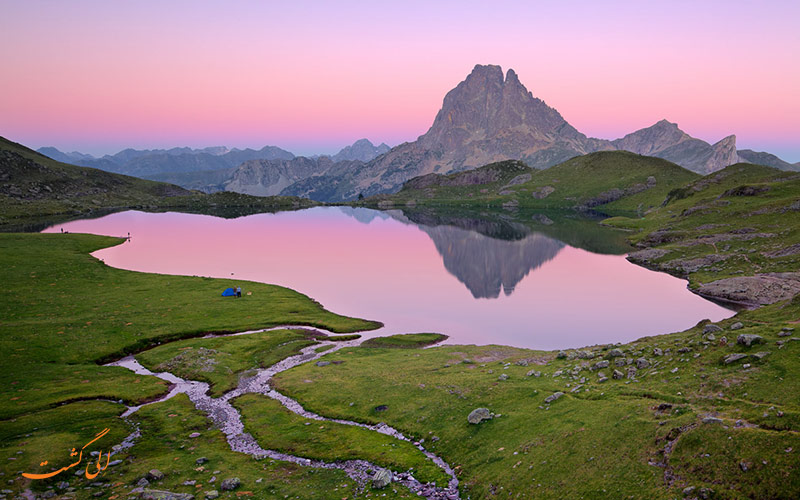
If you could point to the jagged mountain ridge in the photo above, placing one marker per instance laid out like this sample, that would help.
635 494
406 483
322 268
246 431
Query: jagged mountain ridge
488 118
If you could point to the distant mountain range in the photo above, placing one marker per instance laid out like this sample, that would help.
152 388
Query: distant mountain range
484 119
209 169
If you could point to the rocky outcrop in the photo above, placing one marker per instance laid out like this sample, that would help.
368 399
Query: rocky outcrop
761 289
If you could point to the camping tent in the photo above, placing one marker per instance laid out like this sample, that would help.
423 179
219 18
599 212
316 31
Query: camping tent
229 292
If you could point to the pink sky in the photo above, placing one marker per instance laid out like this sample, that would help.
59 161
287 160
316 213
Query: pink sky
97 76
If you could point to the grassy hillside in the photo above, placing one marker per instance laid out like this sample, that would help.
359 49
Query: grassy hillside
740 221
36 190
609 181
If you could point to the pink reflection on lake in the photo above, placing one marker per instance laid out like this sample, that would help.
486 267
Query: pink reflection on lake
416 278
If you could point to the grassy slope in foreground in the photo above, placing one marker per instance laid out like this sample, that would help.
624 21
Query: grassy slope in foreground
34 188
611 181
64 311
602 438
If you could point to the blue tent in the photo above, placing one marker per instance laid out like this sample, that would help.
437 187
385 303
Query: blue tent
229 292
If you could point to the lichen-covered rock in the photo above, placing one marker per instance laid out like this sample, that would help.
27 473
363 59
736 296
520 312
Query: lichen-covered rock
749 339
549 399
478 415
230 484
381 479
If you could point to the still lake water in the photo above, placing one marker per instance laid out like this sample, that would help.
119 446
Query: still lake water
482 281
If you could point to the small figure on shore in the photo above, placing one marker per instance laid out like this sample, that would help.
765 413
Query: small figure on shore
238 292
62 230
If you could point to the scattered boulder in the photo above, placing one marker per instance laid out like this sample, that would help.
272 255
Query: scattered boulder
230 484
561 355
522 362
616 374
760 355
749 339
601 364
543 192
154 475
381 479
737 326
535 373
712 420
731 358
201 460
142 483
322 363
212 495
615 353
657 352
632 372
549 399
711 328
478 415
642 363
194 435
503 377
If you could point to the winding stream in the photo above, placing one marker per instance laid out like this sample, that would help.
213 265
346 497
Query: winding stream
227 418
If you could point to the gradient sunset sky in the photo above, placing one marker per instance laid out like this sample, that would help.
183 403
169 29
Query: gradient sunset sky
311 77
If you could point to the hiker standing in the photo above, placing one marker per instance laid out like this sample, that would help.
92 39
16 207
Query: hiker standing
238 292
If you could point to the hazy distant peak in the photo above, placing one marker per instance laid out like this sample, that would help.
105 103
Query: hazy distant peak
361 150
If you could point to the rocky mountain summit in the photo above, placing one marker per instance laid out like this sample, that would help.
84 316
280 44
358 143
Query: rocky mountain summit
492 117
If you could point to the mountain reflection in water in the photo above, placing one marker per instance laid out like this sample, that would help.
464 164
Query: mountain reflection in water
565 280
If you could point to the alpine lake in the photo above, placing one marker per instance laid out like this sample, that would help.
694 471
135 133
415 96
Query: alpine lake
531 280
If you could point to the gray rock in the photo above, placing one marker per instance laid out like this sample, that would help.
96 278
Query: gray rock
553 397
154 475
601 364
619 362
201 460
711 328
632 372
784 333
503 377
712 420
147 494
614 353
212 494
688 491
62 485
657 352
114 463
142 483
760 355
616 375
732 358
522 362
478 415
230 484
322 363
737 326
561 355
195 435
711 337
381 479
585 355
749 339
535 373
642 363
705 493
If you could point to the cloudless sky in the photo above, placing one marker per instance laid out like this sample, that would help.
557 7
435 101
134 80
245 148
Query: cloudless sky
97 76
